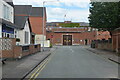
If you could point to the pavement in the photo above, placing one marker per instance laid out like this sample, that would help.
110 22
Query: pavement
20 68
113 56
75 62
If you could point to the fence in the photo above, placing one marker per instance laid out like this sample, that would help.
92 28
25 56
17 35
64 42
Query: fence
116 40
113 44
102 44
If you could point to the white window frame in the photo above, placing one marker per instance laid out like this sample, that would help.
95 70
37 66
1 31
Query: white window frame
6 12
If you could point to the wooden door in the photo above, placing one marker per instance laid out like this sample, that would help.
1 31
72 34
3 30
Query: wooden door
67 39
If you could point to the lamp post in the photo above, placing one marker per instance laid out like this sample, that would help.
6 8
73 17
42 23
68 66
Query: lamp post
44 20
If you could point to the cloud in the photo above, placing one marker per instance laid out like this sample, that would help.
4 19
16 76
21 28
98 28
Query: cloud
74 15
77 3
57 10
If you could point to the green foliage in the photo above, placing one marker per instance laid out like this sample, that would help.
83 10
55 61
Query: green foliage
105 15
69 25
17 40
51 45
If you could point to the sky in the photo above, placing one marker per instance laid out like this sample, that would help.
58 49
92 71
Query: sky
62 10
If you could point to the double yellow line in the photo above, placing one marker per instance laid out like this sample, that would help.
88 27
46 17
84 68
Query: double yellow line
42 66
37 72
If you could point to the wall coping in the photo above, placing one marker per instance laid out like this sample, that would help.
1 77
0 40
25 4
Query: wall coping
28 45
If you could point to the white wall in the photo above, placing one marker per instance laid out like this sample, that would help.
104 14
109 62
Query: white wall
0 17
40 39
0 30
11 11
46 43
0 8
21 34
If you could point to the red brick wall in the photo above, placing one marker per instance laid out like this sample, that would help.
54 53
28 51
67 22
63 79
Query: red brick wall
58 37
37 25
16 51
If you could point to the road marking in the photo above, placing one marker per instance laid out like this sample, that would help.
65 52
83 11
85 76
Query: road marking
38 69
41 69
42 66
72 50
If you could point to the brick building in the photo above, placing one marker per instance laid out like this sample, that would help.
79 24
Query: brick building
78 34
103 35
37 19
59 35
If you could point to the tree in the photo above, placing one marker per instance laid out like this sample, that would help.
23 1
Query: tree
105 15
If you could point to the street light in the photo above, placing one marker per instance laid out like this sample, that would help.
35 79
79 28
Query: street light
43 20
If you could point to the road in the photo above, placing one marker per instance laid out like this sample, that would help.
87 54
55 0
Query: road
75 62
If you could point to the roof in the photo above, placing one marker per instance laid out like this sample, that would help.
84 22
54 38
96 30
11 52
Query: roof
37 11
50 24
28 10
20 21
22 9
10 2
84 24
9 24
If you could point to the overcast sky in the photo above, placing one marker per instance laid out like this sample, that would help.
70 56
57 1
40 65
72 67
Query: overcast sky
75 10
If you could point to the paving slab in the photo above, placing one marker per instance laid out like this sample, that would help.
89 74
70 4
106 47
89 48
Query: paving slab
20 68
113 56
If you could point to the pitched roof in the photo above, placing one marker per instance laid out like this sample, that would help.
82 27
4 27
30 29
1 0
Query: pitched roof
37 11
20 21
22 9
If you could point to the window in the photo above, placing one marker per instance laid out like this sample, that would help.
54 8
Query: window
2 34
6 12
26 37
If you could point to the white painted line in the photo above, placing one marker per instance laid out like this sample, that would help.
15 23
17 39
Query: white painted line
72 50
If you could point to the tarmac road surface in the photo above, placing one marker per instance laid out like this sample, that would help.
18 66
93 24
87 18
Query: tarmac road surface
75 62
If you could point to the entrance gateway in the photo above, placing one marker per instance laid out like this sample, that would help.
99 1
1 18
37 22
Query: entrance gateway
67 39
